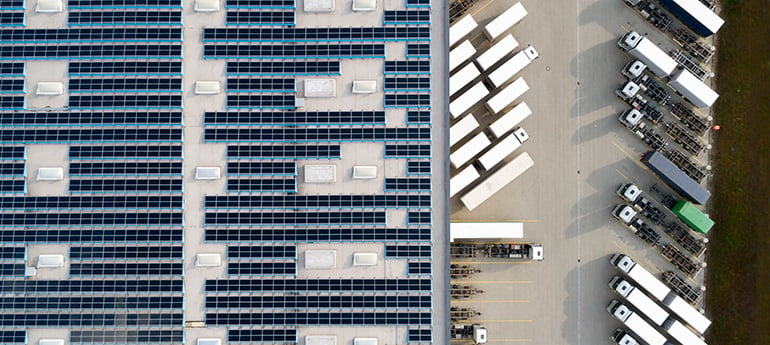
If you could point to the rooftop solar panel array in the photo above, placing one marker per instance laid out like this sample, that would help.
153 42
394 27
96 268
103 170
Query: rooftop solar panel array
121 213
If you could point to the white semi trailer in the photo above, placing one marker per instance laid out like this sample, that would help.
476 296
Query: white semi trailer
513 66
636 323
693 89
497 180
650 54
485 231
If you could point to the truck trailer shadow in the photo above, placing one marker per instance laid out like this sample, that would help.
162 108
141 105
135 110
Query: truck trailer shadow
584 308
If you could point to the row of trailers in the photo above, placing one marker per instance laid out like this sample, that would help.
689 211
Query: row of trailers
484 75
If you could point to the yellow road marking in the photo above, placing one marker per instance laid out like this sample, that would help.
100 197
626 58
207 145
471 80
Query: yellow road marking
497 281
624 176
493 301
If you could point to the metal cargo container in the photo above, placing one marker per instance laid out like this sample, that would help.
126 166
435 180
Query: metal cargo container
675 178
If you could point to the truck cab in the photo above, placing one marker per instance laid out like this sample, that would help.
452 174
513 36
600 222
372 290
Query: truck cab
629 191
621 337
630 118
521 135
623 262
624 213
630 40
628 90
618 310
537 252
634 69
621 286
531 53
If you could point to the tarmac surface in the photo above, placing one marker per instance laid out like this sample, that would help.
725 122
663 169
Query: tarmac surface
582 154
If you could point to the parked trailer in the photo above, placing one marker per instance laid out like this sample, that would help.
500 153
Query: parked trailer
692 89
692 169
691 44
681 333
460 54
650 54
485 231
461 28
687 117
657 17
468 99
687 292
680 260
695 68
636 324
507 96
675 178
476 332
514 251
510 120
467 151
463 291
503 149
697 16
462 180
497 51
639 300
463 77
629 93
462 271
513 66
497 180
627 216
621 337
632 119
693 217
633 195
641 276
634 70
462 314
686 140
462 128
505 21
687 313
685 239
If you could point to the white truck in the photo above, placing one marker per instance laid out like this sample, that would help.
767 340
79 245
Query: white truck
510 119
621 337
693 89
477 333
485 231
681 333
463 179
650 54
462 128
470 149
661 292
497 180
467 99
639 300
496 52
461 28
460 54
513 66
462 77
502 149
505 21
509 94
636 324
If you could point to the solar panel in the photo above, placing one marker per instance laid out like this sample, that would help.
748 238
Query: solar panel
259 3
12 270
89 219
145 336
262 185
335 234
294 118
125 168
96 118
125 252
125 152
290 51
423 217
261 85
268 101
316 201
407 17
261 252
12 169
91 303
292 34
262 335
13 253
82 35
418 168
11 85
417 50
419 335
18 52
69 236
125 85
260 18
417 3
12 186
407 184
89 320
401 251
11 18
125 101
418 117
261 168
62 203
292 134
407 84
11 4
261 268
407 151
400 100
321 318
292 218
317 301
126 185
418 268
407 67
283 151
13 337
110 4
316 285
284 68
12 69
125 17
12 102
144 286
126 67
29 136
141 269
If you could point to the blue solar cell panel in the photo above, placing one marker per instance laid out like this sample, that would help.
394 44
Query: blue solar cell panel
291 51
407 251
407 151
112 269
321 318
125 101
398 100
366 34
407 184
82 35
11 4
417 3
407 17
284 68
259 3
11 85
126 67
110 4
70 235
418 168
417 268
291 218
283 151
317 285
142 286
18 52
317 201
262 335
13 337
12 69
91 118
418 117
417 50
11 152
318 301
61 203
125 252
145 336
268 101
13 253
125 168
261 84
418 218
261 168
407 84
261 252
261 268
260 18
89 219
12 102
294 118
407 67
29 136
262 185
90 320
419 335
125 152
125 85
12 270
336 234
126 185
292 134
12 186
125 17
11 169
11 18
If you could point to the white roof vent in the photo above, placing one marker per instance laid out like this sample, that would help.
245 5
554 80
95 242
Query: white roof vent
320 340
364 86
320 88
49 88
365 341
206 87
49 6
320 259
365 259
318 5
208 260
50 174
50 261
209 341
207 173
30 271
364 5
51 342
206 5
364 172
320 173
